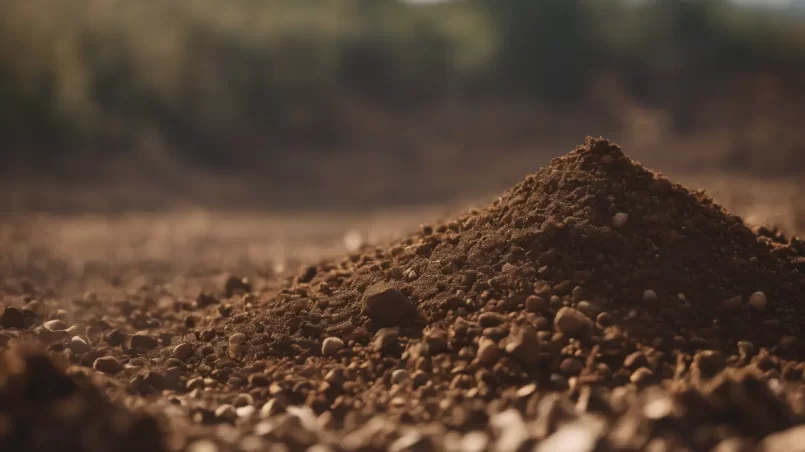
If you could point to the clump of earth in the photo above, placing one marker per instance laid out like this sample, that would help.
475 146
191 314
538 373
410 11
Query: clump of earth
595 306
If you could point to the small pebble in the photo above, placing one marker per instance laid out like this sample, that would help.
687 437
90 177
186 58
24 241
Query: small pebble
237 338
572 322
182 351
490 319
649 296
488 352
758 302
331 346
226 412
641 376
77 330
243 400
202 445
399 376
385 339
55 325
143 341
107 365
245 412
619 220
78 345
535 304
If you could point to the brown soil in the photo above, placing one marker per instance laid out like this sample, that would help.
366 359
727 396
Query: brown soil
595 306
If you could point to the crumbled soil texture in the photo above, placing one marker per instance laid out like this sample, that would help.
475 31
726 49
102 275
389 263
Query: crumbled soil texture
595 306
44 409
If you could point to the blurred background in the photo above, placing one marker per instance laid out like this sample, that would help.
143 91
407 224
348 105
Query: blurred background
309 104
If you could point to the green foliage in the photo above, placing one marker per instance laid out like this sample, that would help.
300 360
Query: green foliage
209 76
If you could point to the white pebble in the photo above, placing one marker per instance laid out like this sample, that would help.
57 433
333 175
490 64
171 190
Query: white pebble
649 296
245 412
331 346
620 219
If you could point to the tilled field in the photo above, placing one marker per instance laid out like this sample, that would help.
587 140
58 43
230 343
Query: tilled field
595 306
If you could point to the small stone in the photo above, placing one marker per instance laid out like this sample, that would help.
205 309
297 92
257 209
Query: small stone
77 330
746 350
436 341
604 319
331 346
115 337
243 400
78 345
573 323
620 219
524 346
237 338
194 383
758 302
55 325
385 339
571 367
732 303
420 378
535 304
226 412
706 364
642 376
259 380
182 351
142 341
488 352
245 412
236 285
490 319
202 445
386 305
649 296
399 376
107 364
271 408
791 440
13 318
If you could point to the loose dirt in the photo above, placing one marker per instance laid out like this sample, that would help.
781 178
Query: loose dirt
595 306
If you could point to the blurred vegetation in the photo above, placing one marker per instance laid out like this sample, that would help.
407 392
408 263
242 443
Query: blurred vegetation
217 82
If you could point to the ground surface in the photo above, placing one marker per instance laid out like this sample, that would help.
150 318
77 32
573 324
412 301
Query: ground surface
114 298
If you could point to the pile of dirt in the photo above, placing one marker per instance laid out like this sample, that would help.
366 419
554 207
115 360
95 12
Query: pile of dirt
595 306
594 229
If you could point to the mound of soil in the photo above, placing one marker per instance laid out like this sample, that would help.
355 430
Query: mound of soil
595 306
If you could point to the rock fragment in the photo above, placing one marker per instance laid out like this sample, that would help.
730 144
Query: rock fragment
331 346
386 305
573 322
